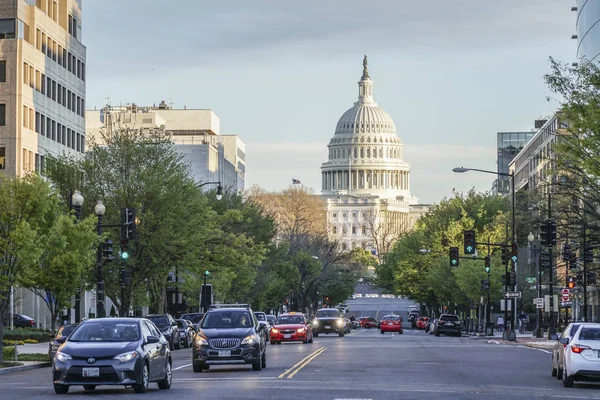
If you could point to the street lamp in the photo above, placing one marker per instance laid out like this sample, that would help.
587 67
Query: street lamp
99 210
219 195
77 202
461 170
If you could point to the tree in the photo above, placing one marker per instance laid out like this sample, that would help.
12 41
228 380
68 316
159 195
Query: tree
384 227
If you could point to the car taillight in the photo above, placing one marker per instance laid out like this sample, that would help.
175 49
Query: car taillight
576 348
32 322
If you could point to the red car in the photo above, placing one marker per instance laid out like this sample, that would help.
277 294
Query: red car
391 323
291 327
422 322
367 322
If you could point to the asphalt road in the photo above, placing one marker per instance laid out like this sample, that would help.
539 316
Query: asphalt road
362 365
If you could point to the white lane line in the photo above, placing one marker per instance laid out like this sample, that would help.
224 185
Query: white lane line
238 379
183 366
535 348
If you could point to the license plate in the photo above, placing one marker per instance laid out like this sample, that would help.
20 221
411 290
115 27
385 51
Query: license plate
90 372
328 327
390 323
224 353
287 336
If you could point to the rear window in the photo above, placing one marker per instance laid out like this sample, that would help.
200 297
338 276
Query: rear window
328 313
574 329
391 318
260 316
449 318
589 334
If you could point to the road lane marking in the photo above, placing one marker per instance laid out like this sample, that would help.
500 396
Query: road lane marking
183 366
312 357
318 351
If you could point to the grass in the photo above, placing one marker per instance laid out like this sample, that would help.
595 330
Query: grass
7 364
34 357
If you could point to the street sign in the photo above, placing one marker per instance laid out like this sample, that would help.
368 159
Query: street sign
565 295
566 303
512 295
539 302
530 279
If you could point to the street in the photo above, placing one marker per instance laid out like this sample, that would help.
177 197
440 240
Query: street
362 365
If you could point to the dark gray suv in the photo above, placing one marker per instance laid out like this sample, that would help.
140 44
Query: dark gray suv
168 327
448 324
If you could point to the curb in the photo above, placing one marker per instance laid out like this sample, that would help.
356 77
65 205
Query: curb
22 368
540 345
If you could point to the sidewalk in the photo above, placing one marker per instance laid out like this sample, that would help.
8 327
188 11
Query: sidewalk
526 339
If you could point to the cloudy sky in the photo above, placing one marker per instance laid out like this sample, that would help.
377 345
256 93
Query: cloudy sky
279 73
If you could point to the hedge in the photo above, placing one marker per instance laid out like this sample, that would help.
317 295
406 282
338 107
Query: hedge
9 355
24 334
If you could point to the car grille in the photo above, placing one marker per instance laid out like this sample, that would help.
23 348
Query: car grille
224 343
107 374
288 331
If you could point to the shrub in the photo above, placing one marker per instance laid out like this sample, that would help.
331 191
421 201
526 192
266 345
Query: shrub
9 355
24 334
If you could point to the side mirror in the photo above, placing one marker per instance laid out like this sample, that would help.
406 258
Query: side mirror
174 324
564 341
152 339
61 339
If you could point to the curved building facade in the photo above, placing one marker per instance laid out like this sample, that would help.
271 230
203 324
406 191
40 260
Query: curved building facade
365 181
588 30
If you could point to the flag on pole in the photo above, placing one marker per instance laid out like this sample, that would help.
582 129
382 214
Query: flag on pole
295 181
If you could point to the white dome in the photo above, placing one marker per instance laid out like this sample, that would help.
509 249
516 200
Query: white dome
365 118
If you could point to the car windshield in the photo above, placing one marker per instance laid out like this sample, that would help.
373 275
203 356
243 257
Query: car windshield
106 331
450 318
289 319
65 330
159 321
270 318
391 318
589 333
328 314
260 316
227 320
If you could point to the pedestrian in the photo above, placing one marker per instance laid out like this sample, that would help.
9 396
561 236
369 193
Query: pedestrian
500 324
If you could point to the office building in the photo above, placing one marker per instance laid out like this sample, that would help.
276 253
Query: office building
588 29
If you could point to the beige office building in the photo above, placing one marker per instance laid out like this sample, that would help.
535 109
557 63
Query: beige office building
42 82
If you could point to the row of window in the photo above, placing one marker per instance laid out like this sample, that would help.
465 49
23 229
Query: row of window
50 7
53 130
53 90
59 54
344 230
343 153
30 161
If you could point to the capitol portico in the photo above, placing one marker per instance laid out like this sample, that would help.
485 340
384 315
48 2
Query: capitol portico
366 182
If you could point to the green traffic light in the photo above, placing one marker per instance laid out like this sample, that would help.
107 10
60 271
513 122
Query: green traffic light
124 255
207 273
453 262
514 258
487 269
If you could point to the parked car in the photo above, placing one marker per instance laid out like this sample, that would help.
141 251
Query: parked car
391 323
328 320
581 355
23 321
262 319
113 351
422 322
229 334
168 327
559 349
186 332
367 322
431 325
63 331
448 324
195 318
291 327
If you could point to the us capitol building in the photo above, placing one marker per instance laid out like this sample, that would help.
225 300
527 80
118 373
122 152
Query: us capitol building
365 181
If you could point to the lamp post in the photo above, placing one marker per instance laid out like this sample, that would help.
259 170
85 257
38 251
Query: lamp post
535 255
99 210
219 195
77 202
460 170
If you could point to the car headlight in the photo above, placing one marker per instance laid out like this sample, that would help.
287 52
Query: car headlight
301 330
249 340
340 322
126 356
200 341
62 357
274 330
316 322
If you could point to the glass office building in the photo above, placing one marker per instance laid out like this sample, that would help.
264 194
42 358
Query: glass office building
588 29
509 145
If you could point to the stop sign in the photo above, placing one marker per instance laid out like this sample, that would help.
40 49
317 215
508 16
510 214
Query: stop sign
565 294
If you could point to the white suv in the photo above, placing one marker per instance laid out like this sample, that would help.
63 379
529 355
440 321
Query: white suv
581 358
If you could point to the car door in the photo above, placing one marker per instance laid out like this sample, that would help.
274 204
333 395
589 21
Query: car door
154 350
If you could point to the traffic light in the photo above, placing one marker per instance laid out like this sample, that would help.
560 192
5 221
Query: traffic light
579 278
512 279
572 260
107 251
591 278
514 253
552 233
567 252
125 278
504 252
207 273
128 223
545 259
544 234
485 284
454 257
124 249
469 241
588 253
487 264
571 283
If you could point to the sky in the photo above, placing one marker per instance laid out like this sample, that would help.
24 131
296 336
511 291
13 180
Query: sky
280 73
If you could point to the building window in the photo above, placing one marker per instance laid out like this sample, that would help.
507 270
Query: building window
2 114
344 215
334 215
363 229
334 229
344 246
3 71
2 157
353 230
344 229
7 28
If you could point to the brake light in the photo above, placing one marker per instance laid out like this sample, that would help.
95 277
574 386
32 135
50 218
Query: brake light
32 322
576 348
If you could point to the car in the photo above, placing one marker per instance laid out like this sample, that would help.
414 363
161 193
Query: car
193 317
113 351
262 319
448 324
168 327
422 322
580 358
430 325
291 327
23 321
343 308
63 331
391 323
559 349
367 322
328 320
186 332
271 319
229 334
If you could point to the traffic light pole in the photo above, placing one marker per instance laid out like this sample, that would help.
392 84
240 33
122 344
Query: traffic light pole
584 277
552 329
489 331
100 308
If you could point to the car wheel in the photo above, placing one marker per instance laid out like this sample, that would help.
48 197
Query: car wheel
341 334
437 334
89 387
401 332
165 383
171 344
567 380
382 332
263 361
142 387
310 340
61 389
178 345
257 366
554 370
197 368
559 372
315 334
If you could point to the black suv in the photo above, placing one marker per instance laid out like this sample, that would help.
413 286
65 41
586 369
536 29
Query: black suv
168 327
328 320
448 324
230 334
